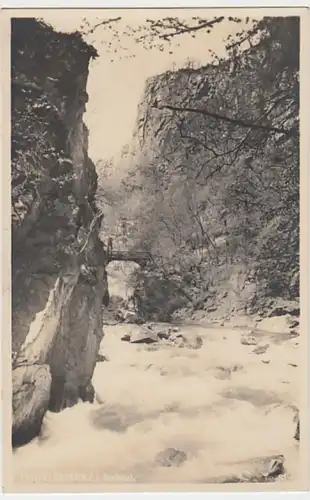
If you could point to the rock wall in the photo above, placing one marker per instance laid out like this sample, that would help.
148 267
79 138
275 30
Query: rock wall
58 262
225 195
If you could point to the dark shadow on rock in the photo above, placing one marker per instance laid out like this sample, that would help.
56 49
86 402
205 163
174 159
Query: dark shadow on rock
57 390
144 340
87 393
64 394
297 433
140 338
26 433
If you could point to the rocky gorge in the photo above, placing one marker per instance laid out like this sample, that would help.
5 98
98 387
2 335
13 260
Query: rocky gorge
187 367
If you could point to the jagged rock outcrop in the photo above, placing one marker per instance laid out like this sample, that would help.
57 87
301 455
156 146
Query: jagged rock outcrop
58 262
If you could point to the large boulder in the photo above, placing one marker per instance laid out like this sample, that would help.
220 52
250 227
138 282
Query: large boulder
143 337
30 399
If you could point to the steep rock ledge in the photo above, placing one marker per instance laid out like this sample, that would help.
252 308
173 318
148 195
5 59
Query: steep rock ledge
58 262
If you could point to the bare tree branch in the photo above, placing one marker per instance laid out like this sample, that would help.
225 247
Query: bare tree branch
290 133
190 29
102 23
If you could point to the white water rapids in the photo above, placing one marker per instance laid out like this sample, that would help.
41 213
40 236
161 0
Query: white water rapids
221 404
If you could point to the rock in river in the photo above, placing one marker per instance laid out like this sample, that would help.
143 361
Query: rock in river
170 457
140 336
144 337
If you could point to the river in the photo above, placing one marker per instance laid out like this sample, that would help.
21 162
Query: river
225 408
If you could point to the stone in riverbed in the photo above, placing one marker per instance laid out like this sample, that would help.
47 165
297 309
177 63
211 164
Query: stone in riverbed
184 341
163 334
248 340
170 457
293 323
261 349
126 337
143 337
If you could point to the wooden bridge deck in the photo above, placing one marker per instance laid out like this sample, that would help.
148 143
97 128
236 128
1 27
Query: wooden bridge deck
138 257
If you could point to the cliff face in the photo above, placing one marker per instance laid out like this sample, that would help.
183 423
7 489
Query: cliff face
217 149
58 263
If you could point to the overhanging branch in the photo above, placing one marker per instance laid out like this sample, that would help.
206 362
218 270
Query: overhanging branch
191 29
235 121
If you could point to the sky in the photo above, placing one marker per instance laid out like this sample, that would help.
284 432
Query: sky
117 79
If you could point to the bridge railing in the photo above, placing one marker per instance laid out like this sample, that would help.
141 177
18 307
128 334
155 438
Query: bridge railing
129 255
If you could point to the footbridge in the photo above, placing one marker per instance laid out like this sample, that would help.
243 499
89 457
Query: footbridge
141 258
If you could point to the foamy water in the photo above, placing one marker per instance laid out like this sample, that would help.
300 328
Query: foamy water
226 407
